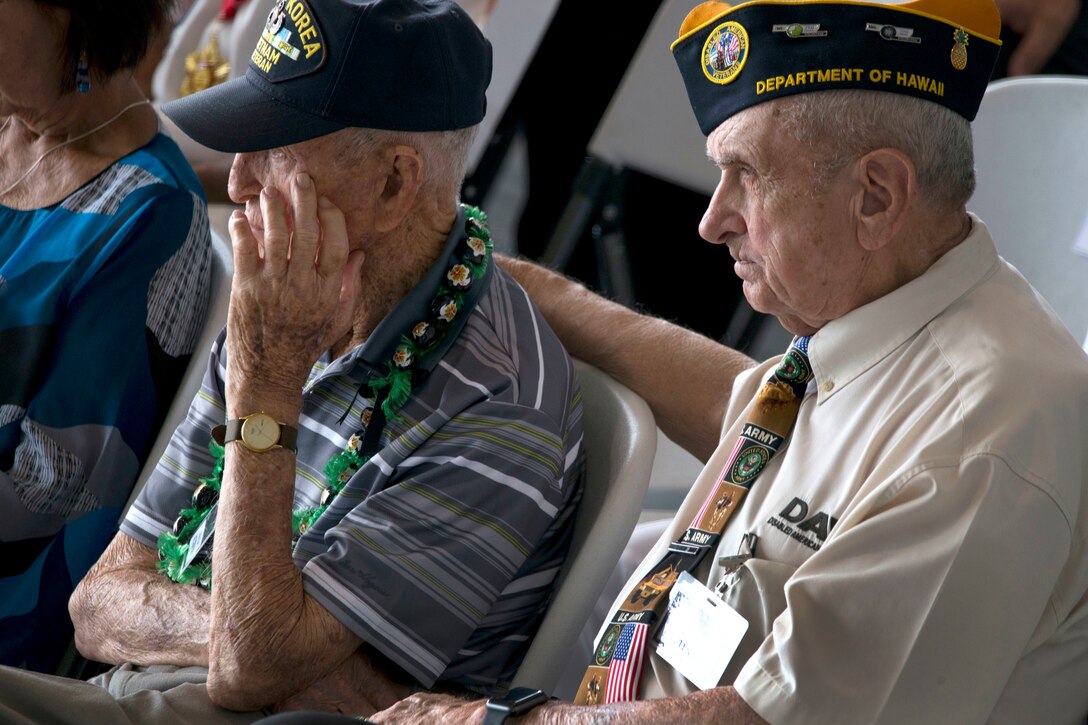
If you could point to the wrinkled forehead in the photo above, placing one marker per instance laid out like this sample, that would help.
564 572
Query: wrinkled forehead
747 131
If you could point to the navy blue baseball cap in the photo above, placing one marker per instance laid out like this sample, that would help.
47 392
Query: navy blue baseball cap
323 65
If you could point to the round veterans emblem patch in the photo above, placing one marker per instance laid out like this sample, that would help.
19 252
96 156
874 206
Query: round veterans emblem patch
724 53
750 462
793 368
608 643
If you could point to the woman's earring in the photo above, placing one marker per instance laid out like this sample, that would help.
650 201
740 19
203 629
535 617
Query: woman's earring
83 75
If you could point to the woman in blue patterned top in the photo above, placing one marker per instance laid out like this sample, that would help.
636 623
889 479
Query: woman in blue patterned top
104 275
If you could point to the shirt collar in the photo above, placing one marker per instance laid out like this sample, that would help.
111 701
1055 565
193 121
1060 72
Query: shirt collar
415 307
845 348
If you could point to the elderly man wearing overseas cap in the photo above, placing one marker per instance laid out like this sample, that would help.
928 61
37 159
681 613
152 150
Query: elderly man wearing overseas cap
891 523
372 493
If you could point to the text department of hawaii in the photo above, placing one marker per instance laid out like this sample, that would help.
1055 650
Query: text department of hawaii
850 75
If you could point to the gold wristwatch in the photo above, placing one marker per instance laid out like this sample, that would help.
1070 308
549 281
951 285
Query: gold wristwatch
258 432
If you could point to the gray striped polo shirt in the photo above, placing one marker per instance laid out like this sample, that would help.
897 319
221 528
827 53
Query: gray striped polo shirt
442 551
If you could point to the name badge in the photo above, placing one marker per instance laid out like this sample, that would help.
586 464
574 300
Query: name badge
201 538
700 633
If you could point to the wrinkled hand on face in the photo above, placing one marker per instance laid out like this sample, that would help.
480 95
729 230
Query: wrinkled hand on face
294 285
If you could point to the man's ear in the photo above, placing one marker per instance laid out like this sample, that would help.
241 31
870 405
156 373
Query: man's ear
403 166
888 188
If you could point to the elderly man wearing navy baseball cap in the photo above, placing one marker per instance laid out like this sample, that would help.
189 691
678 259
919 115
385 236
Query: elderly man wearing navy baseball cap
891 523
373 491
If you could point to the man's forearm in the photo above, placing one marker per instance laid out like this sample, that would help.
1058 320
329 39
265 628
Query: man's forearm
126 611
269 638
358 687
684 376
289 303
720 706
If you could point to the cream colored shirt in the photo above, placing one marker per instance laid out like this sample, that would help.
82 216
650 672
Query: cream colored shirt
931 498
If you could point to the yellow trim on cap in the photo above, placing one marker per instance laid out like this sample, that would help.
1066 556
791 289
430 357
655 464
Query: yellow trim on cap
978 17
701 16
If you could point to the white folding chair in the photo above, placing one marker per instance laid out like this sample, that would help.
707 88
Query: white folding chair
515 29
620 439
1033 185
218 301
647 127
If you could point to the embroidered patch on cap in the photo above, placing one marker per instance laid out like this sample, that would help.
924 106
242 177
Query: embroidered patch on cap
724 53
291 44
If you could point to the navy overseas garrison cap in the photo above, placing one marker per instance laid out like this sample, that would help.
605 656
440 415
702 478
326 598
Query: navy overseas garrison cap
323 65
736 56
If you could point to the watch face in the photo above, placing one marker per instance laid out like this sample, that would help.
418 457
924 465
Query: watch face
260 431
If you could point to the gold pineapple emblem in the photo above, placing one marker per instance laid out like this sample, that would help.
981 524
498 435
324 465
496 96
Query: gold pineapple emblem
959 50
205 68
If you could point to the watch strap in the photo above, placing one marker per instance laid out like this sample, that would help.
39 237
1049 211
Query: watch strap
232 431
494 716
516 702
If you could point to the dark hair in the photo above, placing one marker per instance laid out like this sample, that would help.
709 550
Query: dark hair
113 34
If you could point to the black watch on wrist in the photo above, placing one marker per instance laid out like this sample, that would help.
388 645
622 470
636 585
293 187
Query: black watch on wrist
519 700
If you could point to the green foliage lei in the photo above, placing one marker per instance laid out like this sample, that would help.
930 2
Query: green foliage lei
472 258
